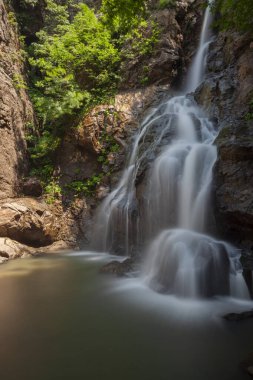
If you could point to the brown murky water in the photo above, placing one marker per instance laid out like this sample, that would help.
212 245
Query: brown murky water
60 319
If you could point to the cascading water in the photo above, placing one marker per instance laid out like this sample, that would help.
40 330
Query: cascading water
198 66
180 258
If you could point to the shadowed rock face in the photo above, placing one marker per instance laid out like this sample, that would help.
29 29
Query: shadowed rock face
173 51
226 95
15 109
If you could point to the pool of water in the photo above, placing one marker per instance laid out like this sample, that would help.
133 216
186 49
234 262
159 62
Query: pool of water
61 319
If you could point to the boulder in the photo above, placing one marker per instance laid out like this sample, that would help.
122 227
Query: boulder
32 187
28 221
11 249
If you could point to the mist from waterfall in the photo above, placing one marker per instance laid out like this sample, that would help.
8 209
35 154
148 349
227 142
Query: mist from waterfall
171 224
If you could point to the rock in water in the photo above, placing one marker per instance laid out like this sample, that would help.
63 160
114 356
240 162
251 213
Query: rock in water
235 317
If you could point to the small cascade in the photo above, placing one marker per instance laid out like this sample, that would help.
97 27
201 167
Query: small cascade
113 217
172 223
198 66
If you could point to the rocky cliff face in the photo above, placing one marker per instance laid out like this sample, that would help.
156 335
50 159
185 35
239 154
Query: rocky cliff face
172 52
15 107
22 220
226 95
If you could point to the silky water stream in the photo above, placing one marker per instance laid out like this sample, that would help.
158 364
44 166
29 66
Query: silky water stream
172 220
60 319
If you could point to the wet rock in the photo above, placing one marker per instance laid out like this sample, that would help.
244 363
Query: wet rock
236 317
102 192
119 268
226 95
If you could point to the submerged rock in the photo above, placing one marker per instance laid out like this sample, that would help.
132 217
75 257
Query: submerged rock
120 268
235 317
247 364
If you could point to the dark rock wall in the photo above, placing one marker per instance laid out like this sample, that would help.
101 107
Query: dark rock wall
226 95
179 28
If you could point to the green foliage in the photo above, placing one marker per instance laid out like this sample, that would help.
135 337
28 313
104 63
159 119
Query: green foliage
43 145
109 146
122 15
85 187
41 149
12 19
53 191
166 4
43 172
141 39
234 14
73 68
18 81
56 16
75 64
249 115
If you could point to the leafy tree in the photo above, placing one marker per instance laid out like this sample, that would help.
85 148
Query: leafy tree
74 67
75 64
122 15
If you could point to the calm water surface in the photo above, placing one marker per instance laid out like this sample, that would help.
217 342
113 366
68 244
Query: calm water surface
60 319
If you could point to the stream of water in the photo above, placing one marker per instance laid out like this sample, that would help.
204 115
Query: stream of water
171 225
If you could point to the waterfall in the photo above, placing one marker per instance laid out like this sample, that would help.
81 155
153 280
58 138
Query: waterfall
198 66
180 258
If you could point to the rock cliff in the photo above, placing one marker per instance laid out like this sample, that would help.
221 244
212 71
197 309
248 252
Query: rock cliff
175 46
226 95
23 220
15 107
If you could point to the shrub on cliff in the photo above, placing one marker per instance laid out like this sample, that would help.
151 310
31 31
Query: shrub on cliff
122 15
234 14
